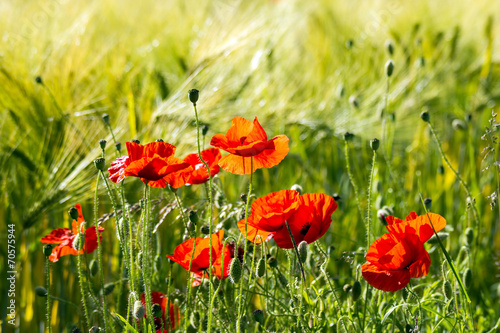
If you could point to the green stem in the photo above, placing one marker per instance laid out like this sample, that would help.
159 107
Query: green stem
296 251
146 257
351 178
245 247
185 219
368 215
82 289
99 252
47 274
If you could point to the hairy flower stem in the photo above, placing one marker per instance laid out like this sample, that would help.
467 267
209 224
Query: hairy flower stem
463 183
245 247
82 288
47 274
146 267
296 251
99 253
169 279
351 178
184 219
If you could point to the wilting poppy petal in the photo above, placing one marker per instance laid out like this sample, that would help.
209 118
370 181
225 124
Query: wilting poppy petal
117 169
419 225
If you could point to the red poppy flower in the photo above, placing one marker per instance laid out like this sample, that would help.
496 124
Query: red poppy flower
201 261
174 313
154 163
398 256
199 174
246 140
308 215
65 238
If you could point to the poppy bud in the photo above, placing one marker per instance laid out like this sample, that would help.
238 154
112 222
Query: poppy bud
193 216
297 188
39 80
440 169
94 267
347 287
382 214
258 315
100 164
374 144
47 249
458 125
469 236
261 268
118 146
102 144
467 278
108 288
77 242
205 229
195 319
356 290
302 248
389 47
336 197
73 213
349 44
272 262
354 101
136 141
348 136
105 118
235 270
41 291
204 129
389 68
157 310
193 95
159 140
283 280
157 262
139 310
447 289
428 203
425 116
442 236
94 329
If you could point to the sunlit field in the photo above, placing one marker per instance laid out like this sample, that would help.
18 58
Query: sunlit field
353 154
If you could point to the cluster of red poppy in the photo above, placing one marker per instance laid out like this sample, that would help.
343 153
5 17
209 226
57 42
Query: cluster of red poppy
399 255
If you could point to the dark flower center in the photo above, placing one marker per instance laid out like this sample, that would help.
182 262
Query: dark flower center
305 228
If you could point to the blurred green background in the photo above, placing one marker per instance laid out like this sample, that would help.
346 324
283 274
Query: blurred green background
299 66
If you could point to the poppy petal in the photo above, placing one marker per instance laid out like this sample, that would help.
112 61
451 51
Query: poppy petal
383 279
420 226
253 232
57 236
91 239
117 169
135 151
62 249
270 157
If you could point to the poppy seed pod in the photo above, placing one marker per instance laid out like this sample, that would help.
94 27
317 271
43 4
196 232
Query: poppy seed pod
94 267
272 262
235 270
100 164
157 310
348 136
139 310
467 278
428 203
204 129
356 290
469 236
389 68
447 289
205 229
374 144
425 116
102 144
298 188
118 146
193 96
258 315
47 250
40 291
302 248
105 118
193 216
73 213
39 80
261 268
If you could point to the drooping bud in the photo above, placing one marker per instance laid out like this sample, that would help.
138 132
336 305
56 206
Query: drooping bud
425 116
204 129
105 118
258 315
47 250
94 267
282 279
272 262
336 197
302 248
102 144
356 290
261 268
469 236
447 290
389 68
193 216
374 144
157 310
41 291
205 229
73 213
389 46
235 270
347 288
100 164
139 310
467 278
39 80
298 188
118 146
348 136
442 236
108 288
193 96
428 203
